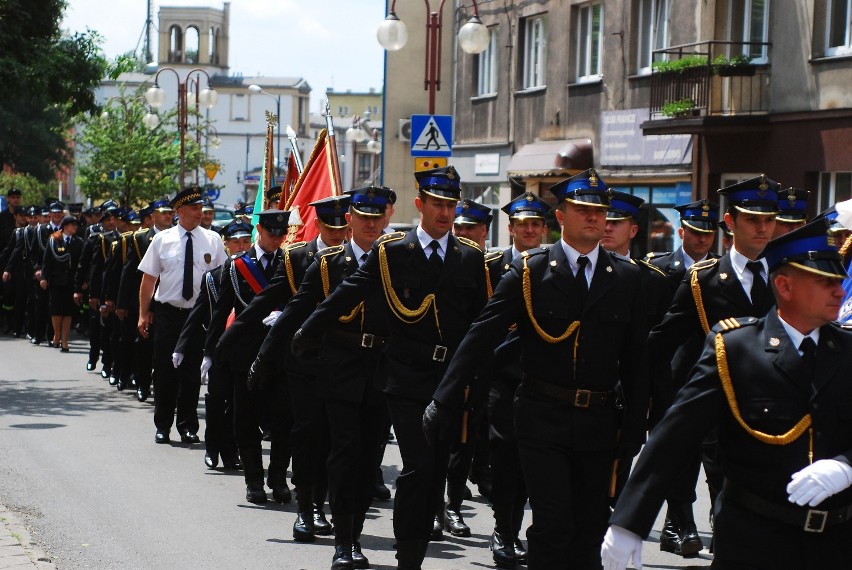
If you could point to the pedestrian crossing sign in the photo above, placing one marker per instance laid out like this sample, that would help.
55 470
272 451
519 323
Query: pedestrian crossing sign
432 135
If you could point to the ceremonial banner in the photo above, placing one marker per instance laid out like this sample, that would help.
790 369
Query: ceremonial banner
318 180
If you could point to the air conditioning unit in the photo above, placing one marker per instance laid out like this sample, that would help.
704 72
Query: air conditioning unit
404 132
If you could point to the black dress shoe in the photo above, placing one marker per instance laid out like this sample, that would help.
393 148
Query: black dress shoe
189 437
64 349
503 551
113 381
120 384
35 341
520 551
211 460
437 533
454 522
281 493
141 394
358 559
161 437
381 492
321 525
255 493
90 366
342 557
232 463
303 528
105 373
670 537
690 541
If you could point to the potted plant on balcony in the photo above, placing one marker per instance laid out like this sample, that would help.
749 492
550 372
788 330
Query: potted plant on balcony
736 66
680 108
679 65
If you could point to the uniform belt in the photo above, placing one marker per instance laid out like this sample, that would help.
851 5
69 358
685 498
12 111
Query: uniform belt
362 340
171 307
431 352
578 398
809 520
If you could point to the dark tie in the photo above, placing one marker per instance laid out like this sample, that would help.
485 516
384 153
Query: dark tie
435 258
582 283
67 240
809 350
187 268
267 262
362 260
758 285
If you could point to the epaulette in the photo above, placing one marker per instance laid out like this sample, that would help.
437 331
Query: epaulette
653 267
142 231
726 325
704 264
331 250
842 326
469 242
390 237
533 252
128 233
296 245
653 254
493 256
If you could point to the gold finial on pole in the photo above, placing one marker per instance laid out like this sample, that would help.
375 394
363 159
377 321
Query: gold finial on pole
271 119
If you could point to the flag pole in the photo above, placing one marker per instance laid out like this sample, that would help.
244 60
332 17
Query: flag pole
294 148
336 188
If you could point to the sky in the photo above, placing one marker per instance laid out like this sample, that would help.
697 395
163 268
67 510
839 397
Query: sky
330 43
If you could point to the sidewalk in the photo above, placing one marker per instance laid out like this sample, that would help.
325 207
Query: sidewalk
16 548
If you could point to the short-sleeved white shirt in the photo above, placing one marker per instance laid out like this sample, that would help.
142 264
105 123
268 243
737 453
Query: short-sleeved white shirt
164 259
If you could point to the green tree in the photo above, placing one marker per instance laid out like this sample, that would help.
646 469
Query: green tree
46 79
148 160
33 192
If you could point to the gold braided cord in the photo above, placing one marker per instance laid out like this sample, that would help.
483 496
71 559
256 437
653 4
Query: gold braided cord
288 265
326 287
847 245
402 312
527 288
725 376
351 316
488 281
699 302
136 247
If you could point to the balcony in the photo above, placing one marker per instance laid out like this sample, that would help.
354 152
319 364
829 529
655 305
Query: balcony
709 86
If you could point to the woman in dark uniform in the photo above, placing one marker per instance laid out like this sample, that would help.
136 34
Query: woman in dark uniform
57 276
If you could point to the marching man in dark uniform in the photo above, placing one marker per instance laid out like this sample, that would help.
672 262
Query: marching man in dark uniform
778 389
17 272
580 316
100 251
356 412
434 286
56 212
792 210
177 257
715 289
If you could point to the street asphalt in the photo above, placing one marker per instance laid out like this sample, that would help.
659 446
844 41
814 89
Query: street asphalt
79 469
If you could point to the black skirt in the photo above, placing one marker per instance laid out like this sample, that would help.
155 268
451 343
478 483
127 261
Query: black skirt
61 299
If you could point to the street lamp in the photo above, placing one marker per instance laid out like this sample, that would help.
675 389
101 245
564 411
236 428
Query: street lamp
474 38
355 134
374 147
156 97
254 88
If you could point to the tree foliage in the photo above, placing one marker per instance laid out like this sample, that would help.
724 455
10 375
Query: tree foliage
148 160
45 80
33 192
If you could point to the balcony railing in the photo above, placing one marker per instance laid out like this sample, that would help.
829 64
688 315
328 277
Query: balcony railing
710 78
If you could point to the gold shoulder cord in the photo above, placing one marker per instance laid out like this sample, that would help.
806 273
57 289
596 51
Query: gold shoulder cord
288 265
399 310
136 247
784 439
488 280
103 246
326 290
527 288
699 302
844 249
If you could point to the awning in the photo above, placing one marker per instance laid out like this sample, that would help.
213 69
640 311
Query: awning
548 158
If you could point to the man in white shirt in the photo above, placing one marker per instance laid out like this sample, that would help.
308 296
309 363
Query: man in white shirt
178 257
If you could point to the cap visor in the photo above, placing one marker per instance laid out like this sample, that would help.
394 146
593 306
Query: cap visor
334 223
758 209
617 216
526 216
791 218
368 211
703 227
824 267
589 200
441 194
277 232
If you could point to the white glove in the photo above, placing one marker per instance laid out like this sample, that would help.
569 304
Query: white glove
818 481
271 318
177 358
619 546
206 363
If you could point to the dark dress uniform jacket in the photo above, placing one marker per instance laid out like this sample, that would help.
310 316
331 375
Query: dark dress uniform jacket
672 264
773 392
61 273
610 348
131 277
460 292
341 365
680 336
197 323
101 250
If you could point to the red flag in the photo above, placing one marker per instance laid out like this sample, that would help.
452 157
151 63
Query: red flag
290 180
317 181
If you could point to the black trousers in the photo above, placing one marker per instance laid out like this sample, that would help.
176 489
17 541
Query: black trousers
143 349
309 439
105 329
420 486
568 488
219 436
38 306
94 321
508 489
15 301
250 410
175 388
462 455
356 430
124 354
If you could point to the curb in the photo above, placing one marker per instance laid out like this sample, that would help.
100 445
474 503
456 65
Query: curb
17 550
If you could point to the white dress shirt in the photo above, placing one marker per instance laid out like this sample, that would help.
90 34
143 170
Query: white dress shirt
744 274
164 259
796 337
358 252
425 239
573 255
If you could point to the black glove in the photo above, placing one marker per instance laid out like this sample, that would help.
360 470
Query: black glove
304 346
627 449
438 422
258 374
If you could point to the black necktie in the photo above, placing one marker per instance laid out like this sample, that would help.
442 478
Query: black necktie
363 259
435 258
67 240
582 283
187 268
758 285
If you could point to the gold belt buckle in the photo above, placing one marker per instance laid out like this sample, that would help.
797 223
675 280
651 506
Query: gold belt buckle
367 340
440 353
816 521
582 398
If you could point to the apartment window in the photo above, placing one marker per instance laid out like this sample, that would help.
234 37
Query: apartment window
834 187
365 166
653 31
534 45
486 72
749 22
589 42
239 107
839 27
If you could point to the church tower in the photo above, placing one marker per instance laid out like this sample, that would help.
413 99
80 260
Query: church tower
194 37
